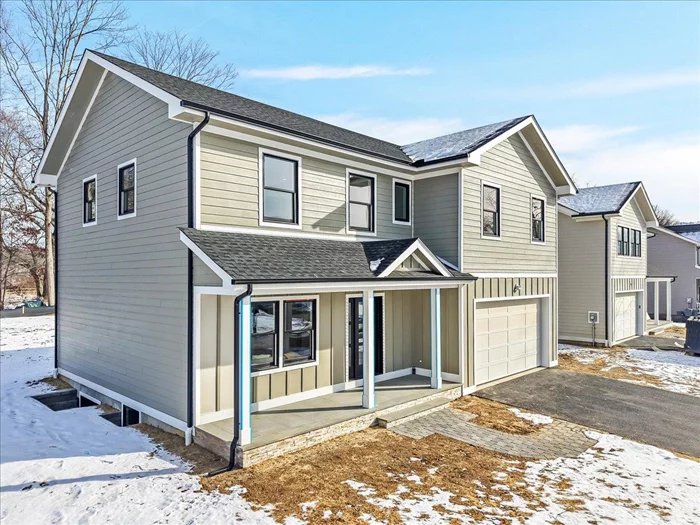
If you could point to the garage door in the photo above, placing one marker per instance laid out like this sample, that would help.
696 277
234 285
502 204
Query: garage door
507 337
625 315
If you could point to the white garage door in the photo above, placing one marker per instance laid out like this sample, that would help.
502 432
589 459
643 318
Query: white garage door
625 315
507 337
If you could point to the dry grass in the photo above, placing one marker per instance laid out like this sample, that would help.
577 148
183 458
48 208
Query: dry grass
678 330
55 382
602 368
381 460
494 415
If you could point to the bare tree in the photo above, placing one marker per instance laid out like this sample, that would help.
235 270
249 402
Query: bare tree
666 218
41 42
174 52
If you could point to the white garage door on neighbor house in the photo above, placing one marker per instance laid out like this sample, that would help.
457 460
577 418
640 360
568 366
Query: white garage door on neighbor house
625 315
507 338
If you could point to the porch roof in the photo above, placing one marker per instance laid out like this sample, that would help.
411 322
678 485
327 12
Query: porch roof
250 258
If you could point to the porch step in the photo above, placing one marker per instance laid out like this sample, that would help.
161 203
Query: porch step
408 414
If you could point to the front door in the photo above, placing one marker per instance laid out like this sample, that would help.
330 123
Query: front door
356 336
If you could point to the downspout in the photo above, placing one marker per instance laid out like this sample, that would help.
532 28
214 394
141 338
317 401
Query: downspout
190 277
607 276
236 381
55 282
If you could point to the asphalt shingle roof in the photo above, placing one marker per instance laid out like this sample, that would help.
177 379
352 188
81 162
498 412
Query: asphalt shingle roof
690 231
599 199
241 108
263 258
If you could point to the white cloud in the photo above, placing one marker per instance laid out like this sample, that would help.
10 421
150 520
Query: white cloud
398 131
569 139
331 72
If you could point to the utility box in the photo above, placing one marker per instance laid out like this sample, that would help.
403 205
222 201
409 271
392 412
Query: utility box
692 335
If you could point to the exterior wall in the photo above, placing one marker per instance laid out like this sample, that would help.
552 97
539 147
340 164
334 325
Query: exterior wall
625 265
436 215
670 256
494 288
122 284
203 275
230 179
581 278
511 166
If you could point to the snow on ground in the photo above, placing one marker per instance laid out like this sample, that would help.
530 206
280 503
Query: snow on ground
74 467
677 371
537 419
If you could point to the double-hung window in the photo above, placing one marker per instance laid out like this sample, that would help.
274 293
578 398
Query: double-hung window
90 201
265 325
299 332
361 203
127 189
629 242
537 220
402 202
636 243
280 190
491 211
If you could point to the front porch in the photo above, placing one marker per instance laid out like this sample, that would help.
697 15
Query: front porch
280 430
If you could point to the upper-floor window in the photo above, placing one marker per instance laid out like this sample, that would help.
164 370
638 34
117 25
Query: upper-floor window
127 189
280 190
491 211
361 202
636 243
402 202
537 220
90 201
697 259
629 242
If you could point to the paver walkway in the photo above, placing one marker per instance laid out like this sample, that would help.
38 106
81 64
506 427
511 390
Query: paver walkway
557 439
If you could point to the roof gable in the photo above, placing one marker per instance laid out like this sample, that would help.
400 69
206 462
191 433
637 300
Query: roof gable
692 237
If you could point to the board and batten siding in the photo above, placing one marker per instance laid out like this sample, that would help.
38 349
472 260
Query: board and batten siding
668 255
626 265
406 336
511 166
494 288
581 277
230 179
122 284
436 215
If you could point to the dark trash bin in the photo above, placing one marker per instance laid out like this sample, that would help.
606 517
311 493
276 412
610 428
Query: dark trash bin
692 335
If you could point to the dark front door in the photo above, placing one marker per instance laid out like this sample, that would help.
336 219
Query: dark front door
356 336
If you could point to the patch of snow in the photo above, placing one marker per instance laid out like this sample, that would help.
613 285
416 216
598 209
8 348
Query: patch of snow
361 488
415 459
415 479
327 514
537 419
308 505
433 470
20 333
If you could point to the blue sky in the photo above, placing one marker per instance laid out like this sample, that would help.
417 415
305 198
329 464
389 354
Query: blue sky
616 86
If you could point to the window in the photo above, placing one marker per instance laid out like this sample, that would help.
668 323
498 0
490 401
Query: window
264 328
629 242
360 203
127 189
537 220
402 202
89 201
280 190
299 328
491 206
636 243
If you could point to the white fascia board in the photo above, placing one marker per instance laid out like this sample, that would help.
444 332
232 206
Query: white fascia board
566 211
355 286
537 160
225 277
42 179
417 246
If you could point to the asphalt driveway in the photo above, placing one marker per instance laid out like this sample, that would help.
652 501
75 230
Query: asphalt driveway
649 415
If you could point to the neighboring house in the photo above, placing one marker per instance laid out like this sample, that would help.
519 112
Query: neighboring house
675 251
603 263
224 265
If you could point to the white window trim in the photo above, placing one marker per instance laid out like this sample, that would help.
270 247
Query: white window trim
641 244
261 212
544 219
136 193
82 194
500 211
408 183
348 172
280 332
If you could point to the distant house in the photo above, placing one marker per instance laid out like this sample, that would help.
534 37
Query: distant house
675 251
603 263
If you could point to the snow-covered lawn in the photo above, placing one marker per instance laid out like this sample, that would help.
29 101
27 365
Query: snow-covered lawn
670 370
75 467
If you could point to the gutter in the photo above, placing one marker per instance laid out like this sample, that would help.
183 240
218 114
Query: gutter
607 276
237 373
190 276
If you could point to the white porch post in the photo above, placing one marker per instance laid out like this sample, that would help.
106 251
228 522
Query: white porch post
245 361
435 350
368 396
656 302
668 300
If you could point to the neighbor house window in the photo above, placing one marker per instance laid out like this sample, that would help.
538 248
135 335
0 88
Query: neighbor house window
280 190
491 211
636 243
402 202
360 203
537 220
89 201
299 332
127 189
264 334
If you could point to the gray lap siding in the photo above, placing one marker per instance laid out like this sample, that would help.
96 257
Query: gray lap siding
122 293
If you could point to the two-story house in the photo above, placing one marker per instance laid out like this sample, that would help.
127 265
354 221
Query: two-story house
260 280
603 263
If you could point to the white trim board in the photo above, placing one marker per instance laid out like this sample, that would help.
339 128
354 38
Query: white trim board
347 237
417 246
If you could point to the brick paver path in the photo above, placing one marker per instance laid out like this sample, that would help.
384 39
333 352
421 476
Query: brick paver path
558 439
